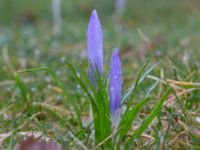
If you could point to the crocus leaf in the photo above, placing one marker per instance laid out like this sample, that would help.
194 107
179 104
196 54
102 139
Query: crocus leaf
150 117
129 117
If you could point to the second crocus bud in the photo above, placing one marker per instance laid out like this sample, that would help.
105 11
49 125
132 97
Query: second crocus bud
115 88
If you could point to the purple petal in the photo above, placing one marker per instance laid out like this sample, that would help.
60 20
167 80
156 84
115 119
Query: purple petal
115 87
95 43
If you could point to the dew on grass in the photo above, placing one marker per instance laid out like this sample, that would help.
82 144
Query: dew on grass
47 79
78 74
37 52
62 59
78 86
58 72
33 89
55 45
158 53
58 97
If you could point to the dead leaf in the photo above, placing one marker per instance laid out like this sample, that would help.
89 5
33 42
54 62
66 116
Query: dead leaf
30 143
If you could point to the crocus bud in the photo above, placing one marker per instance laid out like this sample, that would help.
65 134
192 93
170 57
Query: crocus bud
115 88
94 45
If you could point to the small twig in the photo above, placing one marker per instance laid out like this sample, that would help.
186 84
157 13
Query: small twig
55 108
176 137
183 83
160 90
179 94
143 36
162 81
149 137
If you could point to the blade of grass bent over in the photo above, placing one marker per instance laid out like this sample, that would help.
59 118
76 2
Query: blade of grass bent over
127 119
55 79
150 117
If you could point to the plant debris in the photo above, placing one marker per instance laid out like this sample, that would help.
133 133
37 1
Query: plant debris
30 143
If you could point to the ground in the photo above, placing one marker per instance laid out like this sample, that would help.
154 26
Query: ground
159 31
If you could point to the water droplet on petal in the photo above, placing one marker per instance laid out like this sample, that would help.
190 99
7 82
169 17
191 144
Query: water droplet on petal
33 89
78 86
112 88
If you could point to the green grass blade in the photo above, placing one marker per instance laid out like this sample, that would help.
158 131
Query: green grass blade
148 71
131 92
81 84
103 104
106 79
151 116
152 88
21 87
126 122
55 79
100 99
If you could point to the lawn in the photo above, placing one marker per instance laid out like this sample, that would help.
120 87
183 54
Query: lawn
158 44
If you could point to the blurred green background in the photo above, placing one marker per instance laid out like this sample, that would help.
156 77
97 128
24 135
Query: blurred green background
26 29
173 20
26 32
155 29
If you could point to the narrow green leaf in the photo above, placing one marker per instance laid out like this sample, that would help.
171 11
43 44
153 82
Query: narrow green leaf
131 92
106 79
55 79
128 119
130 116
133 89
151 116
148 71
81 84
21 87
103 104
99 102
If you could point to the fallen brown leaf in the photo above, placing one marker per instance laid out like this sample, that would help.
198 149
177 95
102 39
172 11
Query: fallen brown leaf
30 143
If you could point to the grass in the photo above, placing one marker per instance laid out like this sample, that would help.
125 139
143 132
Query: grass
52 99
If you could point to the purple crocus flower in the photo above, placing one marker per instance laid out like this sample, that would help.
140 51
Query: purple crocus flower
94 45
115 88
